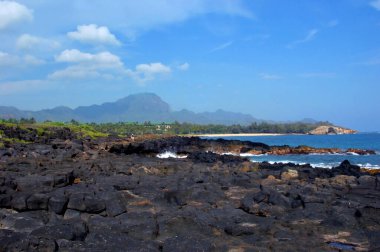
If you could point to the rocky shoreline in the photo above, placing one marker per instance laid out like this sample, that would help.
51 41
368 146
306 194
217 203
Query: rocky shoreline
64 193
185 145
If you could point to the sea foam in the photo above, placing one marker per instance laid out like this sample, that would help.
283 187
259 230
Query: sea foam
169 154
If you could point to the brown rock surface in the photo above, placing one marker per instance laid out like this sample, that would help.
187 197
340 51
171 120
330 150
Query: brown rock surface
325 130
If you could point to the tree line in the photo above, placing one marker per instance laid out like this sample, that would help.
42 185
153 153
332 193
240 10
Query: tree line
128 128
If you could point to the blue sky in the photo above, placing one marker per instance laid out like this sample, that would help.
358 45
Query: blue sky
276 60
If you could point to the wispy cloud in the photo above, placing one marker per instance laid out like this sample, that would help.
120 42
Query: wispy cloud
8 88
137 17
183 67
333 23
32 43
375 4
221 47
311 34
266 76
317 75
259 38
370 62
10 60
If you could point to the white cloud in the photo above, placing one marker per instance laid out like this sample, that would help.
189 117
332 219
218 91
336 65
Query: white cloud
153 68
9 60
103 59
104 65
77 72
92 34
375 4
12 12
87 65
183 67
148 72
90 66
222 46
29 42
311 34
266 76
74 55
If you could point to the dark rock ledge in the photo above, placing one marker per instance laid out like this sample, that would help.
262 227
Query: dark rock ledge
80 195
193 144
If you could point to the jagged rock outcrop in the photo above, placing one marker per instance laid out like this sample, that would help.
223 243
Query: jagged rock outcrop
334 130
77 195
186 145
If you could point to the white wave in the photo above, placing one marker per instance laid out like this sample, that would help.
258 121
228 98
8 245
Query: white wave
241 154
169 154
227 154
319 165
353 153
369 166
251 155
281 162
328 154
322 165
314 165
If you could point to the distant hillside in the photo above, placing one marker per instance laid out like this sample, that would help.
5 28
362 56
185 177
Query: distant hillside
134 108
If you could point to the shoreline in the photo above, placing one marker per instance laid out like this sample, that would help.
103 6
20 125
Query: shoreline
239 134
140 202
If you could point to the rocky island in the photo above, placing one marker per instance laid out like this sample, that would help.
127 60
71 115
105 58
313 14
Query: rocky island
61 191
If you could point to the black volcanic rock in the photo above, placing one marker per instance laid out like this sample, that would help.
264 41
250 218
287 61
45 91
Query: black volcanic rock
209 157
346 168
205 202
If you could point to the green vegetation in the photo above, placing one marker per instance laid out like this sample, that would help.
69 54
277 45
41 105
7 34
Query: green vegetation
176 128
86 130
28 129
188 128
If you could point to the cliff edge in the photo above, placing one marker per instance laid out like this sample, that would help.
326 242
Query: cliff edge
331 130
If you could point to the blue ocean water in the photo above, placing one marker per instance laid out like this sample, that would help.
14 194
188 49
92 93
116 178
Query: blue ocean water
368 141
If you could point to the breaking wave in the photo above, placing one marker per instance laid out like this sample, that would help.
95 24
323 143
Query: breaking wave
169 154
319 165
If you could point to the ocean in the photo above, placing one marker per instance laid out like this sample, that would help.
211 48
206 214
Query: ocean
368 141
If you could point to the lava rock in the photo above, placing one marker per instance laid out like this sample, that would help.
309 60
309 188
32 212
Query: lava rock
68 230
58 204
346 168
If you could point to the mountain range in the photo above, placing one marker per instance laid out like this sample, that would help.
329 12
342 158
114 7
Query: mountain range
133 108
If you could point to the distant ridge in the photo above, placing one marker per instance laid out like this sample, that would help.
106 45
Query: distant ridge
133 108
